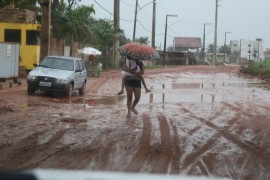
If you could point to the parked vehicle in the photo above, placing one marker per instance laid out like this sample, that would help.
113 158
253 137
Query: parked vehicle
58 74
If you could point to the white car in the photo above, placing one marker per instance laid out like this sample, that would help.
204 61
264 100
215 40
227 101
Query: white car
58 74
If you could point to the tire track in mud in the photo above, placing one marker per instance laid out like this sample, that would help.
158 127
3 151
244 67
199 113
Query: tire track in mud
27 151
105 76
254 149
72 158
192 158
234 119
96 85
175 162
203 168
239 109
10 151
164 153
140 157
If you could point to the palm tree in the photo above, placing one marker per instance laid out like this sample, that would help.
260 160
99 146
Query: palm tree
105 33
71 24
21 4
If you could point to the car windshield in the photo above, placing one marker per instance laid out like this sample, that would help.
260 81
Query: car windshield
58 63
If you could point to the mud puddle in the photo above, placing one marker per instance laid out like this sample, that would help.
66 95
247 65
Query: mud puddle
173 92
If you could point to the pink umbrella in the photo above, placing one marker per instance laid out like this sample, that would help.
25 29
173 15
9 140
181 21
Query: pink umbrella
140 51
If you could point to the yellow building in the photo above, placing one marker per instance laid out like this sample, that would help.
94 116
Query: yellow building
27 35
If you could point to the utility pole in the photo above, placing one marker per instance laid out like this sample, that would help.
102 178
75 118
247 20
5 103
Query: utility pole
154 24
135 20
45 29
240 52
203 50
165 37
116 55
215 38
249 51
225 46
259 40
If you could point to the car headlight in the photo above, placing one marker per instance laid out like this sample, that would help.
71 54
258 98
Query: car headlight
61 81
31 77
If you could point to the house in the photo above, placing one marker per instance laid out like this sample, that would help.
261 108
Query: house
186 44
190 46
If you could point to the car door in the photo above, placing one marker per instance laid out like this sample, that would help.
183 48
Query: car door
77 75
84 73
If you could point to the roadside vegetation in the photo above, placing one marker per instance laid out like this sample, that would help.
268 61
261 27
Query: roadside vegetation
73 22
261 69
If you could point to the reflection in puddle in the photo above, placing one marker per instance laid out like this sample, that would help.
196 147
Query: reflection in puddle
215 85
97 100
169 93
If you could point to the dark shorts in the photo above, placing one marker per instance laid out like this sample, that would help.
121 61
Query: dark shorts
134 82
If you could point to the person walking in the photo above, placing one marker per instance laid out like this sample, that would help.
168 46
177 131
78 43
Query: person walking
132 84
132 65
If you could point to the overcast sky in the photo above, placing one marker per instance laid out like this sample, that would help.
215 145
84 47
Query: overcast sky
245 19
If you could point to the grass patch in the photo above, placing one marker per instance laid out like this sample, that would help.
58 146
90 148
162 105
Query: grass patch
261 69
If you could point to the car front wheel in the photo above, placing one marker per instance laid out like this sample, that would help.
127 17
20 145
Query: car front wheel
82 90
69 91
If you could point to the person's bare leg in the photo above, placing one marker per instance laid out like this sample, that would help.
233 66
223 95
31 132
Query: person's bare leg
137 96
144 85
129 91
122 85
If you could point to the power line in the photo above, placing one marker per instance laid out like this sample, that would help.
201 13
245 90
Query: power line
144 27
104 8
111 13
131 5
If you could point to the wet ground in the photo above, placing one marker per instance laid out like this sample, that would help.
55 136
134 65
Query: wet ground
198 120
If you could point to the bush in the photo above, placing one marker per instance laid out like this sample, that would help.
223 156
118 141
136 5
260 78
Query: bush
261 69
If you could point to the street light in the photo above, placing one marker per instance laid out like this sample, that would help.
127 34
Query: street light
203 50
225 45
165 37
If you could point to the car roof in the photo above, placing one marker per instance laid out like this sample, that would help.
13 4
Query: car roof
65 57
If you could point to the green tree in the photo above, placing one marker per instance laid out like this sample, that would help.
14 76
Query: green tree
225 49
22 4
74 23
142 40
210 48
105 33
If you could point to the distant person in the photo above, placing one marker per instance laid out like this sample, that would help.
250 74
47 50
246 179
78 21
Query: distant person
132 67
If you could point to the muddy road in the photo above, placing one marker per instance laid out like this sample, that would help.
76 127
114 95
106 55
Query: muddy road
198 120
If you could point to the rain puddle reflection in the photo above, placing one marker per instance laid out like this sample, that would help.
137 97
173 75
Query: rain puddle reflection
171 92
214 85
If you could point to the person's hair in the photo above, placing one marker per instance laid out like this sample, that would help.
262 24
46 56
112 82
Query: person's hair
129 57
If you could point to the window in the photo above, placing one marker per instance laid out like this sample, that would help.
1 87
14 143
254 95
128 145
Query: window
58 63
13 35
32 37
81 65
77 67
